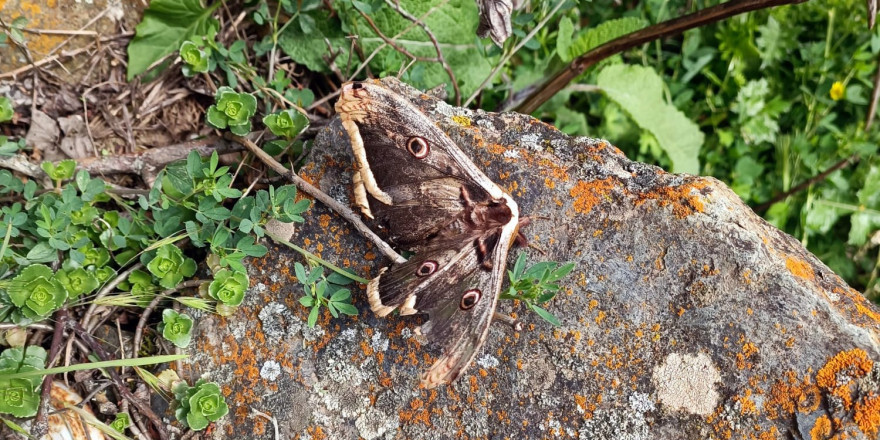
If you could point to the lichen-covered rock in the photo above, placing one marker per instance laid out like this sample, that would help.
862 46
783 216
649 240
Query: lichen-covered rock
687 316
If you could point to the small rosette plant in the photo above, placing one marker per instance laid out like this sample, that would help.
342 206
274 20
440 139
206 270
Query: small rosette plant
121 422
536 285
286 123
170 266
6 111
233 110
228 287
21 397
36 292
77 281
176 327
195 59
199 405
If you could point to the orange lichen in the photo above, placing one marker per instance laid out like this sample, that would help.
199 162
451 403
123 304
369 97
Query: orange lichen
841 371
589 194
790 395
800 268
683 202
867 415
822 428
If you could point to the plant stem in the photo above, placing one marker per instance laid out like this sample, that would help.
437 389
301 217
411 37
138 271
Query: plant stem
660 30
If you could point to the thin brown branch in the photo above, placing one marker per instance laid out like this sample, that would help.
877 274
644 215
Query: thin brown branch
145 315
851 160
434 41
660 30
41 421
311 190
143 408
875 96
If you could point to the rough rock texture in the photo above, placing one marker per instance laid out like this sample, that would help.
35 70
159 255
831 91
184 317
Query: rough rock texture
687 316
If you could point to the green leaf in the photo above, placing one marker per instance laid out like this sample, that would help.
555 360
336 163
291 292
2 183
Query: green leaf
341 295
563 39
639 91
6 110
346 309
313 316
545 314
589 39
286 123
164 28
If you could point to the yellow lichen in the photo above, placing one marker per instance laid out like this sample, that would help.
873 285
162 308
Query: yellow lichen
463 121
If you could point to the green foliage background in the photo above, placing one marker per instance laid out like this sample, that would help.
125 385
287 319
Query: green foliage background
747 100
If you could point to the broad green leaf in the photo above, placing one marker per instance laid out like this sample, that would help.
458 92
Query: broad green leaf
591 38
639 91
165 26
563 39
309 49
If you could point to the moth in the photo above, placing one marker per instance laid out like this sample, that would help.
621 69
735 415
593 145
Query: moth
433 200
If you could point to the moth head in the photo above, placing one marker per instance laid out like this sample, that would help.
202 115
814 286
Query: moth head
418 147
470 299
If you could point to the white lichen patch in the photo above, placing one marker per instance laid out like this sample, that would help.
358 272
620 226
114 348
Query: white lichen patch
687 383
272 317
532 141
488 361
374 423
378 342
641 402
270 370
511 154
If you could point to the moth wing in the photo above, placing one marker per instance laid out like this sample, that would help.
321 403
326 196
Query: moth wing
422 194
459 297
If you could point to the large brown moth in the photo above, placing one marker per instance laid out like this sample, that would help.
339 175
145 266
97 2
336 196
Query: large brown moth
433 200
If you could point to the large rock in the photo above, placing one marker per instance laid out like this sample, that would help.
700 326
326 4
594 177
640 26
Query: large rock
687 316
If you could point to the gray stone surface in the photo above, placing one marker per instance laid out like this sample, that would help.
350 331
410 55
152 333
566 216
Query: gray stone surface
687 316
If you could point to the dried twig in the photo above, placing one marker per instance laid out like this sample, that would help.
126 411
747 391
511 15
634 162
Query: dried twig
145 315
875 96
142 407
637 38
805 184
311 190
516 49
41 422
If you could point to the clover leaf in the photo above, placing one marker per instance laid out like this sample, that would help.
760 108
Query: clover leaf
6 111
36 292
196 60
121 422
176 327
229 286
233 110
77 281
536 285
286 123
170 266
